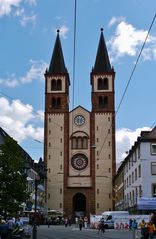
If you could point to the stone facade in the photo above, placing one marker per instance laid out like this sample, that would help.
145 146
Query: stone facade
79 147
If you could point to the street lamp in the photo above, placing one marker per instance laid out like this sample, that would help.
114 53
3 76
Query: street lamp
39 180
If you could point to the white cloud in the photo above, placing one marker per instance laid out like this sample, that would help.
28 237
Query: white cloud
11 82
6 6
31 2
125 139
14 8
63 31
25 19
128 41
115 20
36 72
17 120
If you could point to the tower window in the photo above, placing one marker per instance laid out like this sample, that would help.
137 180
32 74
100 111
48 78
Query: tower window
53 84
103 101
56 103
99 83
102 84
105 83
56 84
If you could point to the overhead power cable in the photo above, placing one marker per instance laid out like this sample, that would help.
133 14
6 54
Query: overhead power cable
74 54
130 78
74 57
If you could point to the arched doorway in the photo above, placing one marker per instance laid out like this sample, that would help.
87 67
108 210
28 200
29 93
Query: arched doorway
79 205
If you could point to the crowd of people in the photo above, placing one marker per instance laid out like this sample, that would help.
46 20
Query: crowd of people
11 227
148 229
79 221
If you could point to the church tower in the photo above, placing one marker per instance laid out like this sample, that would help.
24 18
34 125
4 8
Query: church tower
79 146
103 127
56 126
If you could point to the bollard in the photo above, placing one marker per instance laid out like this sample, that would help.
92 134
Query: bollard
133 233
35 231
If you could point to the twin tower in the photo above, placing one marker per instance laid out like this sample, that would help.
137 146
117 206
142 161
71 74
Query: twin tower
79 145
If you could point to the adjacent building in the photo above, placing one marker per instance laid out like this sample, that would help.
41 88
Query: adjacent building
79 145
137 176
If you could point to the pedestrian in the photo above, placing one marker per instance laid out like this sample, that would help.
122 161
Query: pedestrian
76 221
151 229
130 224
19 222
135 229
144 230
85 222
66 222
3 229
11 224
80 222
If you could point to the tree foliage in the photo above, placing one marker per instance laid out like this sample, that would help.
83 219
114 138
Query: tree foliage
13 183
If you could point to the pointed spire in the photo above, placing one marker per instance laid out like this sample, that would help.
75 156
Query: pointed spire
102 63
57 64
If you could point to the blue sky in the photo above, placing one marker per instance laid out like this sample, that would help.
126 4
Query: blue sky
28 33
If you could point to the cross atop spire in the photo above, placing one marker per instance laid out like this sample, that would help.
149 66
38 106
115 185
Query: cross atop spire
102 63
57 64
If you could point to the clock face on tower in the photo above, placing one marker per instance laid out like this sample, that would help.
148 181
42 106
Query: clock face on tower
79 120
79 161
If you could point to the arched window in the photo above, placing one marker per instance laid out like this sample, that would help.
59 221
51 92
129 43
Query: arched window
102 83
56 103
99 83
53 84
85 143
103 101
105 84
79 142
59 84
100 101
53 102
74 143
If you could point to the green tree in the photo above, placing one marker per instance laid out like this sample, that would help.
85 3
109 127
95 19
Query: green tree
13 183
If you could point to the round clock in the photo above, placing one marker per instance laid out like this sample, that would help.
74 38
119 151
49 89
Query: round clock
79 161
79 120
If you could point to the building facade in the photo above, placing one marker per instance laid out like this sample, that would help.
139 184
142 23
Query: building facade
138 172
79 145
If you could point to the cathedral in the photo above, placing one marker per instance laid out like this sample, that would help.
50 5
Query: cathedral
79 145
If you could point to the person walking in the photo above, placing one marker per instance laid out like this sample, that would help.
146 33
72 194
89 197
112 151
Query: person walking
135 229
151 229
80 222
86 222
144 229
